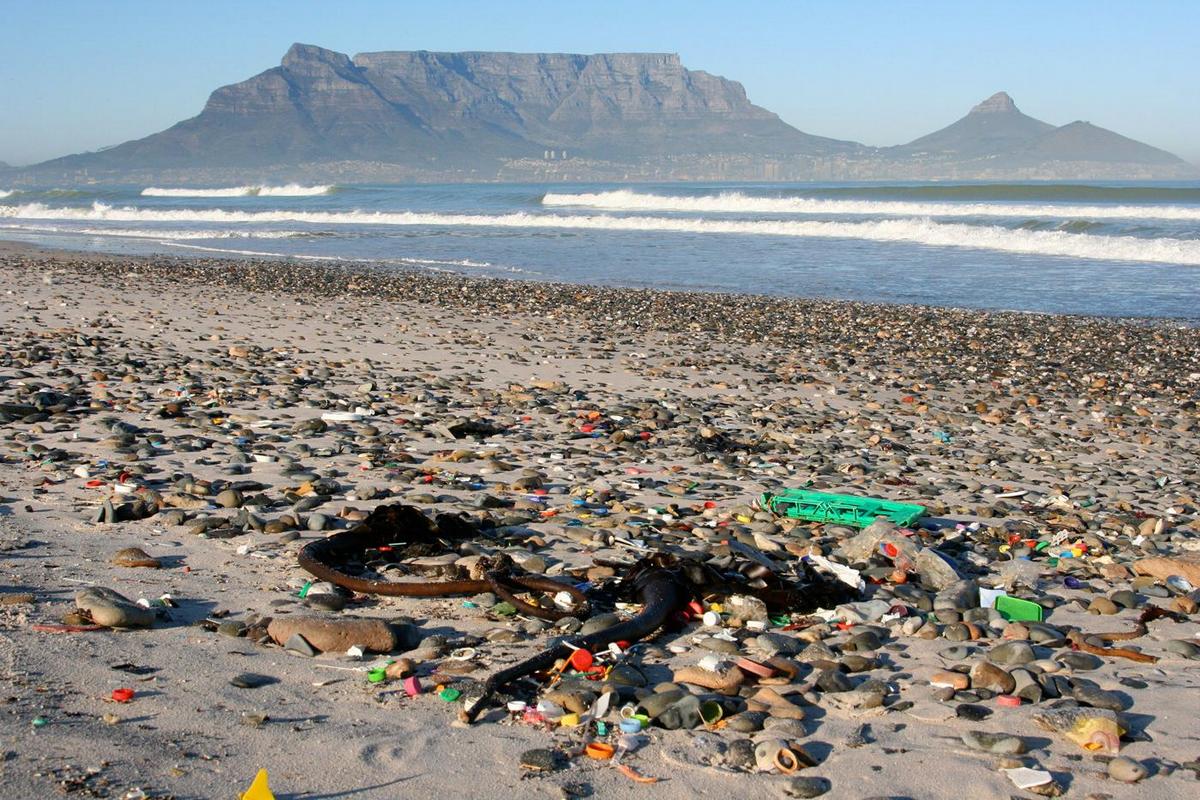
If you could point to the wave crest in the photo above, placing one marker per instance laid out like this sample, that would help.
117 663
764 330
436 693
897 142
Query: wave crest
920 231
736 202
288 190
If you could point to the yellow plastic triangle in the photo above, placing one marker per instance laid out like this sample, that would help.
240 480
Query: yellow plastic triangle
259 790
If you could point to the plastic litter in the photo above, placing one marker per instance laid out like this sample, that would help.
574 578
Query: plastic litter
1026 778
259 788
599 751
1016 609
840 509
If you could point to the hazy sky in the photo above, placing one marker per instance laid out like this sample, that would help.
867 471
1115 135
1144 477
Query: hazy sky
82 75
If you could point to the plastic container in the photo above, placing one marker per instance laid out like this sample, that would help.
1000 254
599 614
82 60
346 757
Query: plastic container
842 509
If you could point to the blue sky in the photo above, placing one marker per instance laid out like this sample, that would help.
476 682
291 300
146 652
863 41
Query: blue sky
81 75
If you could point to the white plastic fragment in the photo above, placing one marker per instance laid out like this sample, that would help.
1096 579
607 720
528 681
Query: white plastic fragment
1026 778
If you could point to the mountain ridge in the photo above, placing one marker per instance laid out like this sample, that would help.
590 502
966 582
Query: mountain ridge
424 115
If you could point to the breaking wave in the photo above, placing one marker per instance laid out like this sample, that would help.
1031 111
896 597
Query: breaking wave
150 233
6 193
736 202
920 231
289 190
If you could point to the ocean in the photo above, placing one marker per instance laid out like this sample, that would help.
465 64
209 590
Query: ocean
1112 249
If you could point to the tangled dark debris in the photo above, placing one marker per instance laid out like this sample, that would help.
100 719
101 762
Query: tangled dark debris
402 531
662 583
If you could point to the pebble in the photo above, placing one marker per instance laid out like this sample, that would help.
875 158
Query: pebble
135 557
807 786
113 610
1126 770
338 635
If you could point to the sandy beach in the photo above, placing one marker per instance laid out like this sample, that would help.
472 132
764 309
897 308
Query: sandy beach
221 414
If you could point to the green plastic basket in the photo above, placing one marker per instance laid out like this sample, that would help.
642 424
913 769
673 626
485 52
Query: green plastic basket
840 509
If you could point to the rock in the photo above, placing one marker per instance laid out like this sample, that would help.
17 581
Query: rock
330 601
833 680
985 675
972 712
599 623
231 629
135 557
1098 698
775 704
251 680
953 680
296 643
721 681
339 634
1162 568
739 755
1182 647
957 596
1080 662
856 700
112 610
807 786
230 498
998 743
1102 605
1126 770
655 704
1012 654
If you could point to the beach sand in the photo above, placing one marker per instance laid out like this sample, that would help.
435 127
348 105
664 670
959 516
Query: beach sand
697 399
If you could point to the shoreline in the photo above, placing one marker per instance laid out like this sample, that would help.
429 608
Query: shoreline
235 388
566 294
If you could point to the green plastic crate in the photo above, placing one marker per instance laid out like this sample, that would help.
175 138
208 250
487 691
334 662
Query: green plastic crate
840 509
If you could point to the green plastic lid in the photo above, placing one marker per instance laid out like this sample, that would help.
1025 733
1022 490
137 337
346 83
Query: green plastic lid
1014 608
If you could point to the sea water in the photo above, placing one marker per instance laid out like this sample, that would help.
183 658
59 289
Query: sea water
1115 249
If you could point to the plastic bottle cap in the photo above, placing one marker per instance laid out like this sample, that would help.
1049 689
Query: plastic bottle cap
630 725
412 686
1008 700
122 695
599 750
581 660
377 675
449 695
711 618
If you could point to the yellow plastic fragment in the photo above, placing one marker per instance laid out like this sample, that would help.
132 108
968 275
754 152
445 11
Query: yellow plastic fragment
259 790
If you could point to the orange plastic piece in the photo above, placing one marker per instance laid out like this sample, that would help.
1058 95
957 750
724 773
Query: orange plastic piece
599 750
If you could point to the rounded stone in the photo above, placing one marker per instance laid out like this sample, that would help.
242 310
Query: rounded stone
1126 770
807 786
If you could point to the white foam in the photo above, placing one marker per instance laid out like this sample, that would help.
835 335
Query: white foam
150 233
289 190
5 193
736 202
922 231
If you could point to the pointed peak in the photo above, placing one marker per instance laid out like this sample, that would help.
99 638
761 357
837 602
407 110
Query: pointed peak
1000 102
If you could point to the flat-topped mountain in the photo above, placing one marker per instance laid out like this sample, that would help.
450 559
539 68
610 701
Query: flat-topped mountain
321 115
463 109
